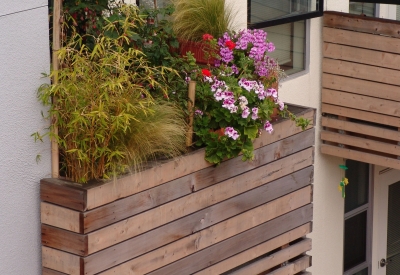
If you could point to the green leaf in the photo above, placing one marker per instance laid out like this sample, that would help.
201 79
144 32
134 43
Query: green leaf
251 131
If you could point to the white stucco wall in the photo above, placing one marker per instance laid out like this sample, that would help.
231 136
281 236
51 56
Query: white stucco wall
24 55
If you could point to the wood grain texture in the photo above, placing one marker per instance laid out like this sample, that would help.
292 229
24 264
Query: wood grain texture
124 208
294 267
362 24
359 128
257 251
61 261
61 217
229 247
65 193
64 240
196 222
360 71
46 271
275 259
361 40
165 213
363 56
361 87
360 156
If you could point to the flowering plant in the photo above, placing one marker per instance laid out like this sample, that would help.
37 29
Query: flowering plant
237 98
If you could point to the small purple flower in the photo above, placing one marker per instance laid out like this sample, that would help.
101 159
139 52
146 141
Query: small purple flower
198 113
229 103
232 133
254 114
246 112
271 47
218 95
268 127
273 92
235 69
281 104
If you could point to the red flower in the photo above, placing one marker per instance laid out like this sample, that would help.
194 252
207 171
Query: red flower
207 37
206 72
230 44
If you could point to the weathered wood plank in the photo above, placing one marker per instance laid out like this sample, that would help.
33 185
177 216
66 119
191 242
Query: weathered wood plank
46 271
360 156
361 71
294 267
124 208
361 129
229 247
362 87
61 217
361 40
363 56
61 261
361 115
256 251
64 240
365 143
65 193
361 102
220 232
165 213
196 222
275 259
362 24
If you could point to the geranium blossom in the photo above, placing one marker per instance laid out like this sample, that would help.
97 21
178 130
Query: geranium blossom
268 127
232 133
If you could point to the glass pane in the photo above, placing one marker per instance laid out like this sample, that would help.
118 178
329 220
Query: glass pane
393 236
264 10
289 40
367 9
362 272
398 13
358 187
355 240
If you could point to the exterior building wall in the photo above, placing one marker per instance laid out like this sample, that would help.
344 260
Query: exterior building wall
24 55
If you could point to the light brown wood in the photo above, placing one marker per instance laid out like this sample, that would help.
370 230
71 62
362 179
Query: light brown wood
196 222
256 251
60 217
362 87
361 129
163 214
361 40
219 232
361 115
61 261
294 267
366 103
365 143
124 208
362 24
46 271
360 156
191 102
275 258
360 71
61 239
363 56
229 247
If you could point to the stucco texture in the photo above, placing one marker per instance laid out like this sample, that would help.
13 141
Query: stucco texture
24 55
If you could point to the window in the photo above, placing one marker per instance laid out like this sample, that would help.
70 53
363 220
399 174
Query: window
361 8
285 22
357 220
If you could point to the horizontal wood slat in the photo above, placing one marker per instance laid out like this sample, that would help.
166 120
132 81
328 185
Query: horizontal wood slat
361 102
361 40
275 259
362 87
294 267
362 56
257 251
362 24
46 271
203 217
360 156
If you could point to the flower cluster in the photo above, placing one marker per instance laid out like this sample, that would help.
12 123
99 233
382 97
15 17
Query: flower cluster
239 94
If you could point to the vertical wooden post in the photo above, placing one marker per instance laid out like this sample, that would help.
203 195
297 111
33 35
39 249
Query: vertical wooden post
191 95
57 4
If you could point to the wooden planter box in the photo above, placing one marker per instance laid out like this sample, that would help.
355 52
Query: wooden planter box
184 216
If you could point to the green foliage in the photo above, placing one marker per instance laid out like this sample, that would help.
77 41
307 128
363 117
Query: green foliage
193 18
108 121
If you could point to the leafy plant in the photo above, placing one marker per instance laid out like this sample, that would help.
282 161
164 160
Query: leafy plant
107 119
193 18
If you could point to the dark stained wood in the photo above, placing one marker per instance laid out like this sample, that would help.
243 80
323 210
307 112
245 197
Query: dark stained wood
238 243
362 24
62 192
64 240
46 271
124 208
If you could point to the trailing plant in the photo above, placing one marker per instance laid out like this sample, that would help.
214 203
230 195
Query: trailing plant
107 119
236 99
193 18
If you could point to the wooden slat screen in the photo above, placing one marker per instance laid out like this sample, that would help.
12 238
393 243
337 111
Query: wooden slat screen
361 89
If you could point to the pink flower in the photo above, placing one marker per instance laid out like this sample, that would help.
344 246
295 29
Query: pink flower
206 72
254 111
232 133
268 127
207 37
